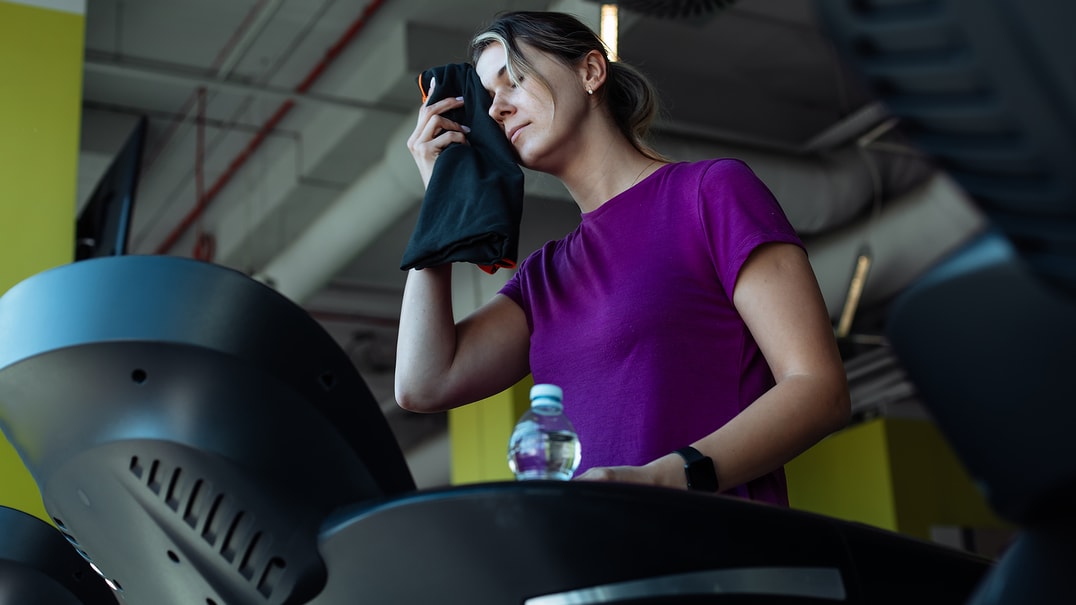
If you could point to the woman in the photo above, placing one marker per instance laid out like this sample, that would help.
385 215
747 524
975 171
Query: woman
681 312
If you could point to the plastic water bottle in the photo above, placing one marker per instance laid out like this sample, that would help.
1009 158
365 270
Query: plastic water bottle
544 444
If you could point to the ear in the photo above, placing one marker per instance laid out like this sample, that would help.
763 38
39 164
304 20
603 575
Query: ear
592 70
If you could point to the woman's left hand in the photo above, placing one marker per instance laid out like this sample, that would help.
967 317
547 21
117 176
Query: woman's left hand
654 473
622 474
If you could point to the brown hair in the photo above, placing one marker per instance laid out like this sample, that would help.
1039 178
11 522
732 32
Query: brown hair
631 99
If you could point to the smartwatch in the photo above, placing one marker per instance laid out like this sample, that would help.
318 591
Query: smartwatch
699 469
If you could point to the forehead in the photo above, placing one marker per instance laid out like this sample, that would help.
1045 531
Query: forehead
490 66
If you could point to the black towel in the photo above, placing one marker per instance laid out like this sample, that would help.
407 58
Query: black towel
474 200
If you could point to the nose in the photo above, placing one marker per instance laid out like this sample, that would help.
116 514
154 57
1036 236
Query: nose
499 109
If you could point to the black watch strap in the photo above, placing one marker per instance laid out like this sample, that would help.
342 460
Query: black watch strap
699 470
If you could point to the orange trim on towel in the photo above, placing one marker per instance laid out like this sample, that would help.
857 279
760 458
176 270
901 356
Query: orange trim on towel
504 263
422 90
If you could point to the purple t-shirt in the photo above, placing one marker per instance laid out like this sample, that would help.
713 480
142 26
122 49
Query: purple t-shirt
631 314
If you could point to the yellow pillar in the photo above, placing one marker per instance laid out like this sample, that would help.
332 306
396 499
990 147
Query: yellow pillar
479 434
894 473
41 44
846 476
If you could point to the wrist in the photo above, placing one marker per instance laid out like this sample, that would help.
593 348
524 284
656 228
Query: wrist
668 471
699 471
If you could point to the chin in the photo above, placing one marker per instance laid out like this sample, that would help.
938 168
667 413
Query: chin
531 159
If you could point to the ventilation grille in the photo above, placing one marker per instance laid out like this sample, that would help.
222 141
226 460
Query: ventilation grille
223 525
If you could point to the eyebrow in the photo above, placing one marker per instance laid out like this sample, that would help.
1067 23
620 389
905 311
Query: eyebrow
500 74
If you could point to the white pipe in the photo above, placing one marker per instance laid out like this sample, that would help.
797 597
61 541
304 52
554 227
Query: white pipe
906 238
376 200
271 94
817 192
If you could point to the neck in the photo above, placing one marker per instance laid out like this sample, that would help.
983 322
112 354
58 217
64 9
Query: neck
603 168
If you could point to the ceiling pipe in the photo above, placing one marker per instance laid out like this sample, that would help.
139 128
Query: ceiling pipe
281 112
255 20
906 238
818 192
269 94
372 203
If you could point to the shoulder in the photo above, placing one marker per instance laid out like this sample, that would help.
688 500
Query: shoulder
711 168
729 172
539 260
718 180
712 177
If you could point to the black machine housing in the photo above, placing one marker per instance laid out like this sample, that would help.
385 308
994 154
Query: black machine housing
201 439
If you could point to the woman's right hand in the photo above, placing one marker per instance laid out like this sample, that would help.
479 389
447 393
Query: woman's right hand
434 132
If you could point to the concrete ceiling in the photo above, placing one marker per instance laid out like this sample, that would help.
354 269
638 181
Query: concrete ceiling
277 129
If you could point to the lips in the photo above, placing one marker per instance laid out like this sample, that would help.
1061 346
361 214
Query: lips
513 133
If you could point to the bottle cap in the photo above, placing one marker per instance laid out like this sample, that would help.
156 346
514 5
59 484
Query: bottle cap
546 391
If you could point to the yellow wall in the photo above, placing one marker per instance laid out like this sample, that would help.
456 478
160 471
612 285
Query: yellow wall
846 476
40 109
479 435
894 473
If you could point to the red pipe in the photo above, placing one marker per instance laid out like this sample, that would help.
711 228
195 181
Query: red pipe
263 132
199 147
203 245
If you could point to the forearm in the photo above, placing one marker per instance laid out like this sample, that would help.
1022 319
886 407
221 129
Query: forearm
788 419
441 363
427 338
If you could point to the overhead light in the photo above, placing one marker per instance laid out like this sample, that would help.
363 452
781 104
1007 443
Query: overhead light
609 25
674 9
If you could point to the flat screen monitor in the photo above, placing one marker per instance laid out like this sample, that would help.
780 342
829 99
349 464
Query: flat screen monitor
104 224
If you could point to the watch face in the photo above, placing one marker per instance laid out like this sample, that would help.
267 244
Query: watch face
699 470
701 476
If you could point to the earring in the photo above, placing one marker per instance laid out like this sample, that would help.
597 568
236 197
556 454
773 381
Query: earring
590 90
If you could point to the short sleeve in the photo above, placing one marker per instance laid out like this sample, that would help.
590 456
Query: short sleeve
738 214
513 289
